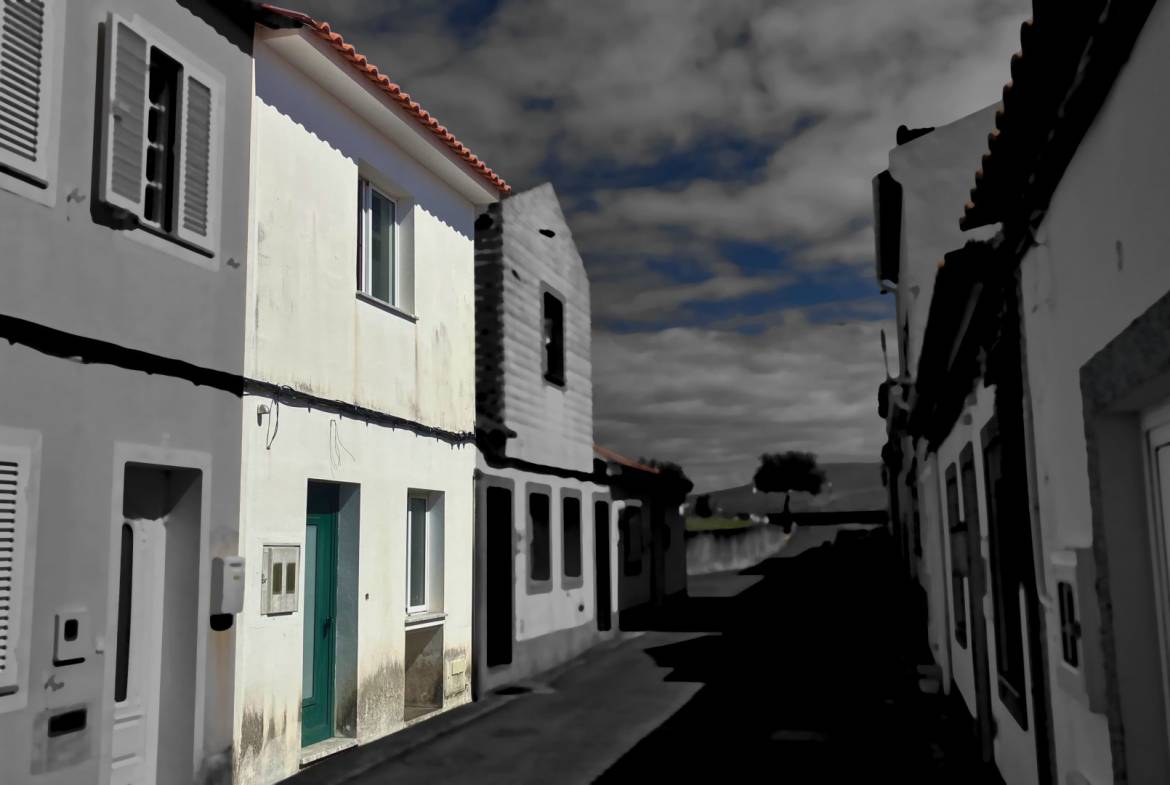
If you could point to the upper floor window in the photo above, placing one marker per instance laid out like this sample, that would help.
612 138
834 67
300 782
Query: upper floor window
554 339
161 135
378 241
29 60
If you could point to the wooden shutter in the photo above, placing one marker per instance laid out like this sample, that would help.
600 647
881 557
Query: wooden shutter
196 219
24 34
124 159
13 540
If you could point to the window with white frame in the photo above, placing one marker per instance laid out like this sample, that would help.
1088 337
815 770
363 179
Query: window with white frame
424 552
378 274
162 132
29 62
19 459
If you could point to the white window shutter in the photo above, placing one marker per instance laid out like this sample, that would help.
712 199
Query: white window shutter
198 214
25 30
14 531
124 159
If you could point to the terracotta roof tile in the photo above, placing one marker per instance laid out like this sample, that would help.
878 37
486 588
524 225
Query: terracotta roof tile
371 72
610 455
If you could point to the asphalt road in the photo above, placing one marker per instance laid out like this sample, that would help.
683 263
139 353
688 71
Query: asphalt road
799 670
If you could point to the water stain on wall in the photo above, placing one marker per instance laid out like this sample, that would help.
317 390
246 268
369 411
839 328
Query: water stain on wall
380 700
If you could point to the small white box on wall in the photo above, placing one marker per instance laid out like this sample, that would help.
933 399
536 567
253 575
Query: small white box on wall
280 580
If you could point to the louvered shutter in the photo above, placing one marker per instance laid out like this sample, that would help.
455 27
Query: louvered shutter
24 32
124 161
13 536
197 215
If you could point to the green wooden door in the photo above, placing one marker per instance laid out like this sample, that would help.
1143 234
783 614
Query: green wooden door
320 600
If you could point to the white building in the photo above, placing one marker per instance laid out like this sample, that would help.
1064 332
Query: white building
358 427
1040 408
546 539
123 240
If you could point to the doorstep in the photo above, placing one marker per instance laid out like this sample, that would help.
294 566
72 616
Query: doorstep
325 748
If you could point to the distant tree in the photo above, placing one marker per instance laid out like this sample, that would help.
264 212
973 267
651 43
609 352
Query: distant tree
678 484
703 506
785 472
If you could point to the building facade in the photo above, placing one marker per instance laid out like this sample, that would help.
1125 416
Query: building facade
123 210
1041 398
545 521
358 424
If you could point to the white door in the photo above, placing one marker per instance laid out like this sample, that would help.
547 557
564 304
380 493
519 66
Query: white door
138 651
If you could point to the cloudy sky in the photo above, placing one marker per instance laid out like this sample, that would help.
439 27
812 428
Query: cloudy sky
714 159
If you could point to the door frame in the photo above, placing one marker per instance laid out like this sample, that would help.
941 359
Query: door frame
976 592
125 453
1155 427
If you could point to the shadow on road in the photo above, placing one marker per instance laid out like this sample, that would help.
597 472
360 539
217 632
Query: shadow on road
809 673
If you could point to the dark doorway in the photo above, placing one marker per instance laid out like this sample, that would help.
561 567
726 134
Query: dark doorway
498 575
601 558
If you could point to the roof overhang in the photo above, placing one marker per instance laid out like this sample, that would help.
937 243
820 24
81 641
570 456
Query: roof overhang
320 62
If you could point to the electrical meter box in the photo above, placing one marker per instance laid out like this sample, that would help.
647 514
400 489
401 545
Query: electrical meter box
227 585
278 582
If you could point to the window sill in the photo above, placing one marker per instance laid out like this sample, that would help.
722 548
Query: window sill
420 619
387 307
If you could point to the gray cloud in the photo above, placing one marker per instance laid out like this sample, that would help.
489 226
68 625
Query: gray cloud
568 87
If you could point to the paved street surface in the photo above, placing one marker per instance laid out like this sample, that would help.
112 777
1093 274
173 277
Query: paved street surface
801 669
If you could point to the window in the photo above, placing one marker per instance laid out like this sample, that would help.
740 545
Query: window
1070 628
17 535
571 536
1009 548
539 546
161 135
630 532
958 537
28 60
378 244
418 550
554 339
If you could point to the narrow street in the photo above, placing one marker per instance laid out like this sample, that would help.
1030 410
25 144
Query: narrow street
797 666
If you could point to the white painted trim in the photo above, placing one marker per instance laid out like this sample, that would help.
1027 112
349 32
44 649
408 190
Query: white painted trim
1157 514
192 65
27 444
124 453
424 498
48 143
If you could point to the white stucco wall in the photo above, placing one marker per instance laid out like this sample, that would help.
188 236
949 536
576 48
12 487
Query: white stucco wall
64 266
564 606
308 329
936 172
386 464
1014 747
553 424
1099 263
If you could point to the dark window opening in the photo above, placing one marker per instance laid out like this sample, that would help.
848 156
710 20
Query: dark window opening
125 582
539 550
958 537
162 131
554 339
1008 551
630 531
498 575
571 536
1070 628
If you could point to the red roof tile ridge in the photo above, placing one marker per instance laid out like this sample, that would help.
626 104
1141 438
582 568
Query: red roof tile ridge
371 72
609 454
